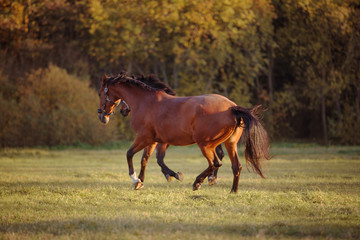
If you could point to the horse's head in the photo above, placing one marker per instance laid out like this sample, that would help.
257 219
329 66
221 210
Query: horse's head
108 102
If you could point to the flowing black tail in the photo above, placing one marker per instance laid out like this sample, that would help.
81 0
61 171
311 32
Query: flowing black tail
254 135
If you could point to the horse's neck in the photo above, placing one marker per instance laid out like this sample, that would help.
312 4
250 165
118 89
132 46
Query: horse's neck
134 96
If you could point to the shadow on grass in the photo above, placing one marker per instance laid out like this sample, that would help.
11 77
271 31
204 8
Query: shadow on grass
25 187
148 227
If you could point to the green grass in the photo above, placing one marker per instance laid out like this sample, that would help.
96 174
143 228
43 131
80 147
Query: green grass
311 192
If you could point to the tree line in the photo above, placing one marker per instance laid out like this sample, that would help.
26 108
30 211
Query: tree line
299 58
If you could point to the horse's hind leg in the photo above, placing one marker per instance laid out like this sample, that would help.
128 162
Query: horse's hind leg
214 163
144 160
160 155
213 176
231 148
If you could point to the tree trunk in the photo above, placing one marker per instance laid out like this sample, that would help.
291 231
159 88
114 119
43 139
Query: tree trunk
323 120
129 68
270 75
258 86
357 103
338 106
156 70
208 85
163 71
176 80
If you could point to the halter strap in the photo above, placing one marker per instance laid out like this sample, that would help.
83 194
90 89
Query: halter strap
123 102
107 99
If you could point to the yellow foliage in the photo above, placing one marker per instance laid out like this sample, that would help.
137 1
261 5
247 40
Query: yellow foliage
54 108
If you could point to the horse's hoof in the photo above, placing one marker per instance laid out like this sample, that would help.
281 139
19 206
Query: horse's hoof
168 177
180 176
196 186
138 185
212 181
233 191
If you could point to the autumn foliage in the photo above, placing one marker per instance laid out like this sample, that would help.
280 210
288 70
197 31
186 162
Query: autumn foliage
50 107
299 58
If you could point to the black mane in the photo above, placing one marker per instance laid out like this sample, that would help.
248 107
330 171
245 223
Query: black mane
150 82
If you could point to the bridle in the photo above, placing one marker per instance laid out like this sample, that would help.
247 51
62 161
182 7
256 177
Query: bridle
107 99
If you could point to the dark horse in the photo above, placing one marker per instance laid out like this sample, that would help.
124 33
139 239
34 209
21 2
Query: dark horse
207 120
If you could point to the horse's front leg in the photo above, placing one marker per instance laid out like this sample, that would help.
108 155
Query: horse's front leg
144 160
137 146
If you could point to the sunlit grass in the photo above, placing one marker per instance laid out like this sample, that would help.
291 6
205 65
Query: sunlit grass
310 192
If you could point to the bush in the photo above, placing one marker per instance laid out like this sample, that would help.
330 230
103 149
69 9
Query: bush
50 107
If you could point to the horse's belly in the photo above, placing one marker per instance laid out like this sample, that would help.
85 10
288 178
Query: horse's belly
175 139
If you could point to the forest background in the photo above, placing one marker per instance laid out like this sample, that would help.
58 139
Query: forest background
299 58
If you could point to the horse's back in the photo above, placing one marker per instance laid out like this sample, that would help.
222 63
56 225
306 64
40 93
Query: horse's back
203 106
213 103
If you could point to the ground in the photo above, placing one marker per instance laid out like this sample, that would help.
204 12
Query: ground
310 192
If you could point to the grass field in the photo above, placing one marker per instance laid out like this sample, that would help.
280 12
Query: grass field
311 192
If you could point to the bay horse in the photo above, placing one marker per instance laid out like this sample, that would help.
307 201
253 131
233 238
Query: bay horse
206 120
168 173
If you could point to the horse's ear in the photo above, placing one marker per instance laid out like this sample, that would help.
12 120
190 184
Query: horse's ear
104 79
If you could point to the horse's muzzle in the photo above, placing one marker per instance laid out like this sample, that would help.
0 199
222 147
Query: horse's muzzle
103 118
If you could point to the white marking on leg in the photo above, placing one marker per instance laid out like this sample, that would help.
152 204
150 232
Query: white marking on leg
134 178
